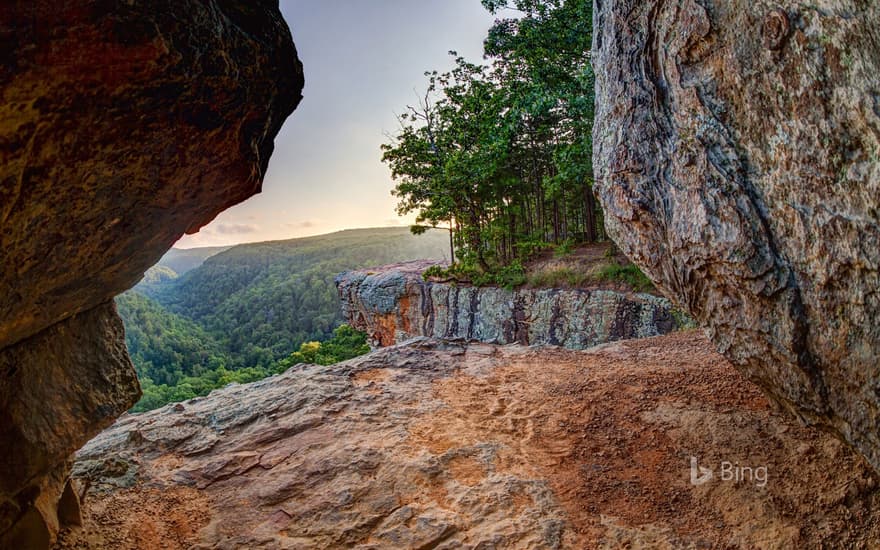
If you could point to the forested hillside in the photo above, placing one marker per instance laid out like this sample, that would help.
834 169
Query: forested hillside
164 346
247 308
182 260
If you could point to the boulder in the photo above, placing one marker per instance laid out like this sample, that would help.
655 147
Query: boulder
736 153
58 389
123 125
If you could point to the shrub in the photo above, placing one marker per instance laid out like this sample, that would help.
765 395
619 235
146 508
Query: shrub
563 276
629 274
435 271
564 248
508 276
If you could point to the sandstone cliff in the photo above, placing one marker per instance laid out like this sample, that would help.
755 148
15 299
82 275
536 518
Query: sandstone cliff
124 125
393 303
457 445
736 147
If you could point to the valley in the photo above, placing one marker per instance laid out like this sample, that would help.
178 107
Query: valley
629 299
233 314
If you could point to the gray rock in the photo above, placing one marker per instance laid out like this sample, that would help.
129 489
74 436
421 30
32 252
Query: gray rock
393 304
736 152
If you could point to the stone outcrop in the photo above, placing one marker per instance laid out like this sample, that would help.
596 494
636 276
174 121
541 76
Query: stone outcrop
393 303
455 445
60 388
124 125
736 148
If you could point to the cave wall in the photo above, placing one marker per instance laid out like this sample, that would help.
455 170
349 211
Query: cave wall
123 125
736 150
59 388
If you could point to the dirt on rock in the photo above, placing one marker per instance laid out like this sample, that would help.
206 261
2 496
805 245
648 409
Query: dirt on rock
453 445
583 262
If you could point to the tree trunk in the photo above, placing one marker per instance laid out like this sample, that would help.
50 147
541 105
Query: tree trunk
451 245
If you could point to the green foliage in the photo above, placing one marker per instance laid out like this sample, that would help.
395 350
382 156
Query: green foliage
435 271
260 301
558 278
564 248
158 274
345 344
182 260
629 274
508 276
240 313
165 347
529 246
502 153
511 275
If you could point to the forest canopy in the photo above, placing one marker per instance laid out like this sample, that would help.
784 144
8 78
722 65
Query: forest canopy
252 310
501 152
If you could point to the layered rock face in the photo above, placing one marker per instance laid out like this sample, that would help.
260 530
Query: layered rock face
123 125
393 303
458 445
736 149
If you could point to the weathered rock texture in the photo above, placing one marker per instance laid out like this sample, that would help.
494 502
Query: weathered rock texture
736 147
393 303
59 388
122 126
453 445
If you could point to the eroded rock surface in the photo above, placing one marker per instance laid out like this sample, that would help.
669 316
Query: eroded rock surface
59 388
393 303
455 445
122 126
736 148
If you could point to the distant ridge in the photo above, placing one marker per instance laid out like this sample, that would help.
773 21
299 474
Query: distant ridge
181 260
250 305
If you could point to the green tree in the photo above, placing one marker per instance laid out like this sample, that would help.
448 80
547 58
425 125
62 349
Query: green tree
346 343
501 152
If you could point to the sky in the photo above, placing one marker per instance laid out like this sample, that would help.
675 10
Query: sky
364 62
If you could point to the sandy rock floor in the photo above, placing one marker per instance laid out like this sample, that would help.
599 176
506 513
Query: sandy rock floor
453 445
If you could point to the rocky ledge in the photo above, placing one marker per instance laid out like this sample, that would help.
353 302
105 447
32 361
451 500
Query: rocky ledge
472 445
393 303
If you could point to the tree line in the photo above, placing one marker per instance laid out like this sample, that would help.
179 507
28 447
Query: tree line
239 315
501 152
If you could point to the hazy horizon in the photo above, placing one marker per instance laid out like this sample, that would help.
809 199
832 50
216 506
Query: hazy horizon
179 246
364 62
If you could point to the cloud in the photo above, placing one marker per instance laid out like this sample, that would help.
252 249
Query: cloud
301 225
236 228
